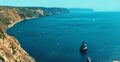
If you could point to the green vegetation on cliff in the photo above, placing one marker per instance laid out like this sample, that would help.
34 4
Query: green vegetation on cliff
10 49
9 15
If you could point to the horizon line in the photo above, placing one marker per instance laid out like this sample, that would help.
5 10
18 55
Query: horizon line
66 7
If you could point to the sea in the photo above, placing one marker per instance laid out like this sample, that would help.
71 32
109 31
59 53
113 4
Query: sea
58 38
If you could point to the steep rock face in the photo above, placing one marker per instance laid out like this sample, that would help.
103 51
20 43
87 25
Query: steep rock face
10 49
54 11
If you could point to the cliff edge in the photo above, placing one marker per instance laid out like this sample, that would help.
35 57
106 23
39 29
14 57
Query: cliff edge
10 49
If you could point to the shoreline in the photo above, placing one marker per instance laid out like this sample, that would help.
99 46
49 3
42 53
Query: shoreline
11 48
10 26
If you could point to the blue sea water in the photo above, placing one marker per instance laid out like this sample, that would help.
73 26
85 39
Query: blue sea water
58 38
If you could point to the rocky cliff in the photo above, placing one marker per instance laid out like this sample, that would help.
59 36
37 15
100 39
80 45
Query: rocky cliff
10 49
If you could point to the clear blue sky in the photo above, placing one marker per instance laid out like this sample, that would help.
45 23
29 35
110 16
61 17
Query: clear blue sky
99 5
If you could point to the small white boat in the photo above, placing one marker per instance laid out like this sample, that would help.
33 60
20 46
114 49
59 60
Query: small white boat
89 59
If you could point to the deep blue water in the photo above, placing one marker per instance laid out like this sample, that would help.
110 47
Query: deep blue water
58 38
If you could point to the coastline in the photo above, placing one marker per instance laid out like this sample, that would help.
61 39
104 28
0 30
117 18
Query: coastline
10 26
10 48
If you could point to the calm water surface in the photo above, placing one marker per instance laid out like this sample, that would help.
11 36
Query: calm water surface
58 38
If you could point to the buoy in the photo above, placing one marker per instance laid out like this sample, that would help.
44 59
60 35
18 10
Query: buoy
58 44
42 33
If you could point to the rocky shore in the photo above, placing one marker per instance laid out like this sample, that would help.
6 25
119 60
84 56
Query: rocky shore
10 49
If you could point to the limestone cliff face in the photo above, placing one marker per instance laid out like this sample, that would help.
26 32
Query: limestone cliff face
54 11
10 49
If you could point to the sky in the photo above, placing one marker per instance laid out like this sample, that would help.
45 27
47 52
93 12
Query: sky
97 5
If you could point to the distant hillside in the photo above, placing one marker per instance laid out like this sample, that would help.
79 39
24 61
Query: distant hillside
10 49
9 14
81 10
54 11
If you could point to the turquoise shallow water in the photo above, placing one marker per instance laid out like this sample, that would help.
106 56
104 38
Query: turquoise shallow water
58 38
